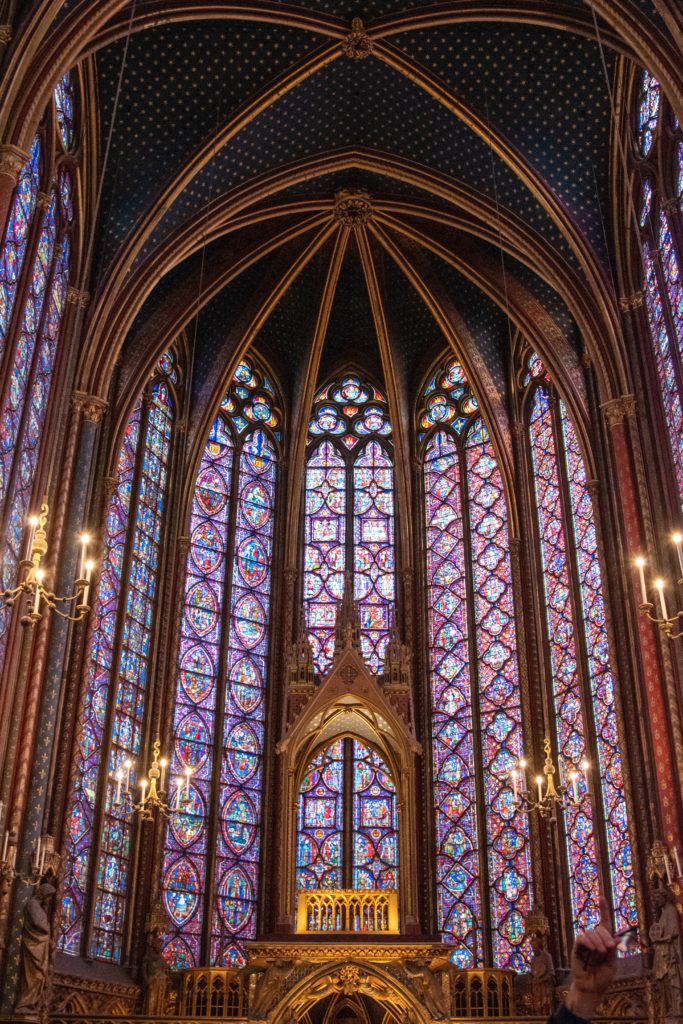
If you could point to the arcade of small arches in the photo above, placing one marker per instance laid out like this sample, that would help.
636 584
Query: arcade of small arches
351 460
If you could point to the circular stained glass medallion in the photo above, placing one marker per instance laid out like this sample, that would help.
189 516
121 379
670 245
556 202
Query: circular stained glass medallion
243 752
207 547
197 673
235 899
192 741
188 823
238 822
211 491
252 560
250 620
246 685
201 608
255 504
181 890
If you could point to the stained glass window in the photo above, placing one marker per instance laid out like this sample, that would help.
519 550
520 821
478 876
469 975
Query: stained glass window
648 112
16 237
483 856
64 105
99 844
213 842
583 685
349 517
347 834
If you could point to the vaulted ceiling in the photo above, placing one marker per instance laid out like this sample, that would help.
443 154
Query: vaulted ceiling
476 138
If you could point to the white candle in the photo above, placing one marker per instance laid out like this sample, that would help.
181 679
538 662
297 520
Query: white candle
513 773
539 783
678 541
2 808
188 774
40 576
640 563
667 865
143 787
30 534
575 786
522 775
128 766
162 764
37 852
119 780
659 584
4 847
179 789
85 541
677 863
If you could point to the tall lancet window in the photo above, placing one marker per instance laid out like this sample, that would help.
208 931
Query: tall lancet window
211 861
98 847
347 825
34 276
660 169
483 856
582 680
349 529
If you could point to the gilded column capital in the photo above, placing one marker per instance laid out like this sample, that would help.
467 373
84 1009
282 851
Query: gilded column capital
593 487
183 547
5 34
629 303
12 159
76 297
357 45
110 484
43 201
618 409
91 407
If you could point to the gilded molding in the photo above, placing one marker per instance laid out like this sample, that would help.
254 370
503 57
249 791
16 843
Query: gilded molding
618 409
629 303
357 45
43 201
352 207
91 407
76 297
12 159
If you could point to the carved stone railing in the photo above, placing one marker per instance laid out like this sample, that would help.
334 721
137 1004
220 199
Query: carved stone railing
213 992
482 993
372 911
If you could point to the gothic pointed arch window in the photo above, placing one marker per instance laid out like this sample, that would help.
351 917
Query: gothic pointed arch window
482 839
349 517
35 265
660 171
210 871
347 820
597 835
100 826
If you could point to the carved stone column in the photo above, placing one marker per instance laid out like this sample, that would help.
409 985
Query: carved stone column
660 695
41 743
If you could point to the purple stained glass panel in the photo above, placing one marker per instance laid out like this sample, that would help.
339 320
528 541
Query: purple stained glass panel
81 820
373 549
187 840
320 821
375 822
601 682
562 639
648 112
238 843
16 236
64 106
324 552
457 839
509 855
112 869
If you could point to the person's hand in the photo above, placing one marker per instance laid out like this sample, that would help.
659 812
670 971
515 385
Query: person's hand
593 966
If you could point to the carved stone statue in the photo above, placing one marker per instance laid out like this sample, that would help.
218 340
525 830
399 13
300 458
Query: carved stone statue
667 964
36 953
542 978
427 983
155 976
269 985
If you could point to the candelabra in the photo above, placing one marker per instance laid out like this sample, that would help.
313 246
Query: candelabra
667 623
44 860
32 578
554 796
152 788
